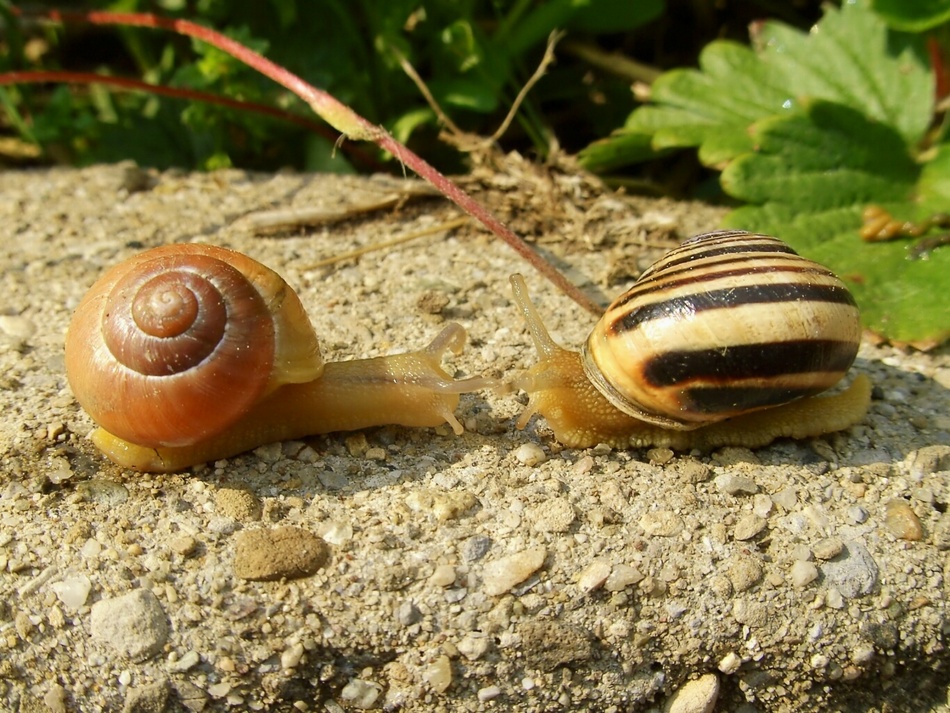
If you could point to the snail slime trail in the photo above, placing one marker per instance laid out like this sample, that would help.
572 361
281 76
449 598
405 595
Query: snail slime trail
157 354
725 340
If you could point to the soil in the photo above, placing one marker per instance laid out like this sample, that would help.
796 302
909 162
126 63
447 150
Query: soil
414 569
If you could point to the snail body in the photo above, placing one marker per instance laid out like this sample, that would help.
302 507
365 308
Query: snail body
726 340
190 353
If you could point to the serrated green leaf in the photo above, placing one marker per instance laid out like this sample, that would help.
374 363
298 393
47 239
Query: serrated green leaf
916 16
713 107
828 157
810 179
851 58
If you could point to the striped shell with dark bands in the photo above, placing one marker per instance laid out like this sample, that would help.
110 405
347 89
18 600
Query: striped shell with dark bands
729 322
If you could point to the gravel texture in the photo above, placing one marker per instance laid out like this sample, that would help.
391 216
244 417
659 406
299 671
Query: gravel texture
490 571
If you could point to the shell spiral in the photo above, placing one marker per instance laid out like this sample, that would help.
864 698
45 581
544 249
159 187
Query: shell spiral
729 322
178 342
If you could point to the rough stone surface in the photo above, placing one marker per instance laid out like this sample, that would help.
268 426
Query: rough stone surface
279 553
134 624
403 507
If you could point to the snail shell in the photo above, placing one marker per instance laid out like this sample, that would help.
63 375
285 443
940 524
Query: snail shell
728 322
722 333
174 344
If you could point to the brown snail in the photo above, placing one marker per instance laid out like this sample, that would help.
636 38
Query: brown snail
191 353
725 340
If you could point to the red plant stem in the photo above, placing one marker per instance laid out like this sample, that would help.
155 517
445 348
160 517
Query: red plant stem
342 118
70 77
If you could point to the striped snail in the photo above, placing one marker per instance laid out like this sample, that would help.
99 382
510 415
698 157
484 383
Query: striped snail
191 353
723 341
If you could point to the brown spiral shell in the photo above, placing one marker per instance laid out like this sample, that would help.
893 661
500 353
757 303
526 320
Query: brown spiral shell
175 344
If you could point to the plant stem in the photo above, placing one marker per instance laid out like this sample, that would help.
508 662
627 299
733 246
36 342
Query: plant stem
344 120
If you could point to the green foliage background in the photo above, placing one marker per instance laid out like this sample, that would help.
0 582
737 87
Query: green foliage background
799 115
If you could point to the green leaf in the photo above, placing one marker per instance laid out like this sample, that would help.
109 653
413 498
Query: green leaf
854 60
620 149
464 93
606 16
713 107
594 16
404 125
809 180
850 58
916 16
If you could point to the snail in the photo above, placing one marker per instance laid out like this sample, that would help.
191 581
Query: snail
191 353
726 340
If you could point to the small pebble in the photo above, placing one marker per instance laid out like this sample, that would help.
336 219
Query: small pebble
736 484
376 453
698 696
407 613
902 521
278 553
59 471
744 573
853 572
833 599
857 514
660 456
862 654
72 591
443 576
335 533
16 326
55 699
787 499
475 547
291 656
553 515
360 693
803 573
438 674
594 576
827 548
133 624
269 452
189 660
530 454
929 459
762 505
183 545
729 663
103 492
661 523
749 526
488 693
621 577
238 504
817 516
220 689
473 646
502 574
